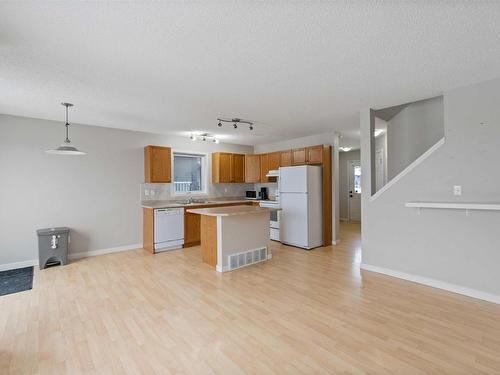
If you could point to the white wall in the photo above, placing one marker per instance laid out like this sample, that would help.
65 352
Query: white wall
96 195
344 157
412 132
443 245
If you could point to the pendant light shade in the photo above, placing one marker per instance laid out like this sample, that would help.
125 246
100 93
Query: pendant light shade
66 148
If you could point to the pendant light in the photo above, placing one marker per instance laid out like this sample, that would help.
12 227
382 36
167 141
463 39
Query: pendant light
66 148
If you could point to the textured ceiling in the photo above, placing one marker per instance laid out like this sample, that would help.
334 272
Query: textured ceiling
294 68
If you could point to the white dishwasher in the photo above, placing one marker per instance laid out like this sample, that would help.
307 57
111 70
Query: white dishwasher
168 229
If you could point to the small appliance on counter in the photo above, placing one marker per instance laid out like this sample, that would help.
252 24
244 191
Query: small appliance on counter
263 194
251 194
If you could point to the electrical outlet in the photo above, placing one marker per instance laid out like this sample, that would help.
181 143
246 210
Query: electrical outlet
146 192
457 190
225 190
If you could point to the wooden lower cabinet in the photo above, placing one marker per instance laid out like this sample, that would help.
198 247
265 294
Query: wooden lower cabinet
192 223
191 229
148 221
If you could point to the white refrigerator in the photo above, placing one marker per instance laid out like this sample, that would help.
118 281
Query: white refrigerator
301 202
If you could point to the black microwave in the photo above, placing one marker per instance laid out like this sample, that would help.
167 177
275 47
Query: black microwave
251 194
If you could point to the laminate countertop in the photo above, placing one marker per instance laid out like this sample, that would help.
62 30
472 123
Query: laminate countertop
170 204
231 210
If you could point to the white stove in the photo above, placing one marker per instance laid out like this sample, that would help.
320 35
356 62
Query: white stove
274 219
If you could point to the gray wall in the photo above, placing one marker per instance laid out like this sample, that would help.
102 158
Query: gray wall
97 195
344 157
444 245
412 131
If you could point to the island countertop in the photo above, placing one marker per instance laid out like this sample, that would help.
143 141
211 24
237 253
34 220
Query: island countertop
231 210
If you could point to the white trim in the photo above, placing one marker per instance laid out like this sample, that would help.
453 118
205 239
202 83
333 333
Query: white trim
93 253
408 169
469 292
350 178
488 206
205 167
344 219
15 265
335 242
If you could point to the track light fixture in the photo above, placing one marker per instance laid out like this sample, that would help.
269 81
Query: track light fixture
235 122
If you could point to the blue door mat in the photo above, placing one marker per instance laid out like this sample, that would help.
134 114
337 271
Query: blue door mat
18 280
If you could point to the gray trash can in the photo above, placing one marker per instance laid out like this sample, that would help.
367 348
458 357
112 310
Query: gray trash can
53 246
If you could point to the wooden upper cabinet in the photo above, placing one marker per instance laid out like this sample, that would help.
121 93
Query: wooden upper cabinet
274 160
264 167
314 154
252 168
221 167
298 156
237 168
285 158
157 164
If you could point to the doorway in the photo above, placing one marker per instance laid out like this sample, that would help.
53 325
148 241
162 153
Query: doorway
354 190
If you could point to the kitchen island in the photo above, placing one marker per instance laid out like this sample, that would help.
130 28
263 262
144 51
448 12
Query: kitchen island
234 237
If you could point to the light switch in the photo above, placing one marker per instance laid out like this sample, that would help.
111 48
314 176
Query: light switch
146 192
457 190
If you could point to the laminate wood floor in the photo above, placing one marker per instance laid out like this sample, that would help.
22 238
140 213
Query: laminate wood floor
303 312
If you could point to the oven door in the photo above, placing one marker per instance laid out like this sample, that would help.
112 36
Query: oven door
274 219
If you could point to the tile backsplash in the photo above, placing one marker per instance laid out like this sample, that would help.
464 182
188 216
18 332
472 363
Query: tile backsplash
163 192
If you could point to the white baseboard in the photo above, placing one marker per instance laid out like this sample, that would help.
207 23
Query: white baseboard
83 254
335 242
93 253
15 265
469 292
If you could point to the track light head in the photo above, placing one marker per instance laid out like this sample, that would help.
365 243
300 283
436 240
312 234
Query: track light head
235 125
219 124
251 127
192 137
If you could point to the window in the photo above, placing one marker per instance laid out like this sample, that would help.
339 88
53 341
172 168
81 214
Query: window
189 172
357 179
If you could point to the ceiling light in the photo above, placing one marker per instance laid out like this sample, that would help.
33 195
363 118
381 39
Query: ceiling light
216 140
192 137
66 148
235 122
345 149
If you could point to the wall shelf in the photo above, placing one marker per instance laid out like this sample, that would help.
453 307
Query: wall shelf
467 206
